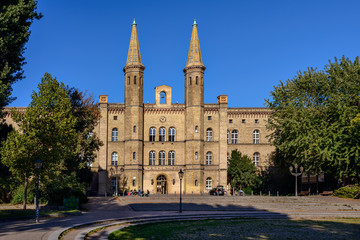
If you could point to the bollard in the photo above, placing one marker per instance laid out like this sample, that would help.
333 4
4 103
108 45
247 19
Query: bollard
269 193
260 193
175 193
252 193
277 193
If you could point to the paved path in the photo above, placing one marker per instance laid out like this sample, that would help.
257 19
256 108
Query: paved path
101 208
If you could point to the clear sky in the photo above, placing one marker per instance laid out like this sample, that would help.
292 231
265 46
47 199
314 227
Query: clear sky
247 46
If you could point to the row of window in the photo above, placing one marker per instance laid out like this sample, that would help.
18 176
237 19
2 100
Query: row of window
172 133
256 159
134 80
115 158
196 80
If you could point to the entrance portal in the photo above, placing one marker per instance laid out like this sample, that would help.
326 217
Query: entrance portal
161 185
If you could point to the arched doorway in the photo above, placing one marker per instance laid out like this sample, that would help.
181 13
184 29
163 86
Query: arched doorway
161 185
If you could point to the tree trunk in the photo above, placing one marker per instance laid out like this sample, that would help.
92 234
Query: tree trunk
25 193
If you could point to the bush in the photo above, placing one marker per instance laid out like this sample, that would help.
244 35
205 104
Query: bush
18 195
348 192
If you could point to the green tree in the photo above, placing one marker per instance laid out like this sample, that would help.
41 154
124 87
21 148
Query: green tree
241 171
16 16
46 131
314 120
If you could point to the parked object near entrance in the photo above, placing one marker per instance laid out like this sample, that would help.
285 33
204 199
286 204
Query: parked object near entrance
219 191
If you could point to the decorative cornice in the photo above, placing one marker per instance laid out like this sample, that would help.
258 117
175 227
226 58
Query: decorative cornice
195 66
141 67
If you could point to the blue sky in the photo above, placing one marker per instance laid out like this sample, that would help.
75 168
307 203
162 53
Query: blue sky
247 46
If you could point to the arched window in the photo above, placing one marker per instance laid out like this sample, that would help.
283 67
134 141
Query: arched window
152 134
234 137
134 79
114 135
209 135
208 183
152 158
162 134
196 182
114 159
256 158
196 155
128 79
190 80
171 134
134 129
209 158
171 158
228 136
163 98
134 156
162 158
256 137
197 80
196 129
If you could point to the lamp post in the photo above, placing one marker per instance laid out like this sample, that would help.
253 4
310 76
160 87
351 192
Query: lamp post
181 175
37 166
296 174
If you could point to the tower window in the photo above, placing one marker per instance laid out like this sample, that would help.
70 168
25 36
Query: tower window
171 134
243 121
256 120
256 137
162 158
196 129
162 134
230 120
209 135
209 117
115 117
134 79
134 129
128 79
134 156
197 80
152 134
190 80
196 156
114 135
196 183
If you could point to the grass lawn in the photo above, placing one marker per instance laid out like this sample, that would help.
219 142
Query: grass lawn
244 229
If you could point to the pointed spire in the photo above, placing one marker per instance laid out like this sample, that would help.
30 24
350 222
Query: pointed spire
134 56
194 56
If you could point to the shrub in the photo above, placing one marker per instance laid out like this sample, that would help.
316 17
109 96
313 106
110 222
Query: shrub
18 195
348 192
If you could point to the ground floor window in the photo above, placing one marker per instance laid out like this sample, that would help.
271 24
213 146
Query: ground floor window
208 183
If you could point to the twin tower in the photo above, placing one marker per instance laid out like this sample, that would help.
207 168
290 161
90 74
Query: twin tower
148 144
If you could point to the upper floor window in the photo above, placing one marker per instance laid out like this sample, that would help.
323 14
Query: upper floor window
128 79
196 129
190 80
134 155
234 136
134 129
256 137
114 135
209 158
162 134
134 79
196 156
152 158
197 80
171 158
152 134
228 159
114 159
172 134
256 158
209 135
208 183
162 158
163 98
228 136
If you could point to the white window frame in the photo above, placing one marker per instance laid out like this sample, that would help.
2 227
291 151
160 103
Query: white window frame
162 158
208 183
152 158
172 133
162 134
209 158
114 135
171 158
256 159
114 159
235 136
256 136
209 135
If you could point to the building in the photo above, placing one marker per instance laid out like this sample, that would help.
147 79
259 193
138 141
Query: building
150 143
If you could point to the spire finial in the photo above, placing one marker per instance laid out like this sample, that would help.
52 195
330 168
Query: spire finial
194 55
134 23
194 24
134 56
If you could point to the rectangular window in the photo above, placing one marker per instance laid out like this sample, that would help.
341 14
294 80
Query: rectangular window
256 120
115 117
209 117
134 129
134 155
230 120
243 121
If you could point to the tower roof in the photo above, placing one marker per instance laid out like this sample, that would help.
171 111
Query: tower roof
134 56
194 56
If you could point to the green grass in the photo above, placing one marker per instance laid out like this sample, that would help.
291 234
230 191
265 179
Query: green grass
244 229
11 213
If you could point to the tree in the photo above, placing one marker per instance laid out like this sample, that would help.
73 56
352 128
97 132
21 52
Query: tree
241 171
16 16
46 131
314 120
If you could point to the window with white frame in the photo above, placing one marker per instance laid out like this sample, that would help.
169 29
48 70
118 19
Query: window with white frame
256 158
228 136
209 135
227 158
114 159
152 134
209 158
162 158
171 158
208 183
113 183
152 158
234 137
162 134
172 134
114 135
256 137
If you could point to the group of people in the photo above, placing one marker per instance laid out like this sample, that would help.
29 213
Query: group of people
137 193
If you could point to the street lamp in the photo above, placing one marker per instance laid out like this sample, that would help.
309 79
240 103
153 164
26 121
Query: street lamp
181 175
296 174
37 166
